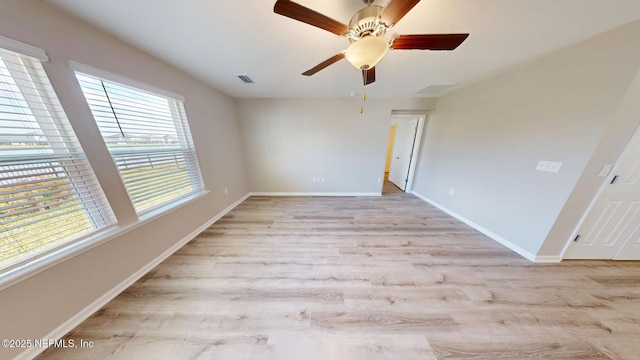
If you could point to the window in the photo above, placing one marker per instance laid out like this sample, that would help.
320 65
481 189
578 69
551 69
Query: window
149 140
48 192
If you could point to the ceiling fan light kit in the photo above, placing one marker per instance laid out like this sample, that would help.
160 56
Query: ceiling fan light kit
366 32
365 53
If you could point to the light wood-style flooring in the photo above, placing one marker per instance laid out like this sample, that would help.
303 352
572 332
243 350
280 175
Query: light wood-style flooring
355 278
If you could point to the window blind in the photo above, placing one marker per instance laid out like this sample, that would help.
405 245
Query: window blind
49 194
149 140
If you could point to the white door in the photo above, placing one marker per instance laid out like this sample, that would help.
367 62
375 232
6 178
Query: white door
611 229
402 152
627 187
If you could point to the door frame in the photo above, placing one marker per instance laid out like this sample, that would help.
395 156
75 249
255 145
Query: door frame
605 181
422 120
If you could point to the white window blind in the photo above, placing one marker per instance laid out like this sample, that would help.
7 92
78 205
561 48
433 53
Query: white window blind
48 192
149 140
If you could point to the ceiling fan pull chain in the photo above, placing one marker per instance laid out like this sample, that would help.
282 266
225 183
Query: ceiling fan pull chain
364 98
364 94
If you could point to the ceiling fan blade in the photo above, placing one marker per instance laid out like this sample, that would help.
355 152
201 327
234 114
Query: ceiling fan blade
369 76
324 64
428 42
308 16
396 10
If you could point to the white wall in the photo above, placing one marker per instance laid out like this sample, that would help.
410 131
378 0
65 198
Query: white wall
484 141
624 120
288 142
33 308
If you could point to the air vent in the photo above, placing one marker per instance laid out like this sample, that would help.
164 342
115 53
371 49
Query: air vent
435 88
245 78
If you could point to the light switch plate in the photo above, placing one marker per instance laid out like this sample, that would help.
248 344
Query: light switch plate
549 166
605 170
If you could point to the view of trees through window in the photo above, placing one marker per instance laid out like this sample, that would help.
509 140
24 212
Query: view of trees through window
148 138
48 193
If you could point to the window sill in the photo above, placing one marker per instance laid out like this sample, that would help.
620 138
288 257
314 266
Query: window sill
33 266
172 206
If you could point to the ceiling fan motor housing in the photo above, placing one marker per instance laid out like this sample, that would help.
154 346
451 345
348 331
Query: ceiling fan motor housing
366 22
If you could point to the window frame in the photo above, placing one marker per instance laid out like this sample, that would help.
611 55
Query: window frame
156 210
20 271
66 153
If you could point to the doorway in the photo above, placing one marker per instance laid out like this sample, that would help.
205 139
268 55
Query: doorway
405 135
611 227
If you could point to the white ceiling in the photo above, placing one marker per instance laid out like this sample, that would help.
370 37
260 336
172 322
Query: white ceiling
214 40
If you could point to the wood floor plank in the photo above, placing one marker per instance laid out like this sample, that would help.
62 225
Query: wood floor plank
361 278
511 350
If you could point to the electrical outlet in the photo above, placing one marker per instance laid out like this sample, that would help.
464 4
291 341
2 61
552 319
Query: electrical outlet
379 179
321 179
451 191
226 191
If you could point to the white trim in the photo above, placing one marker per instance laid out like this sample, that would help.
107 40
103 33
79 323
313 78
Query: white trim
417 144
90 70
23 48
520 251
171 206
415 151
548 259
85 313
422 117
315 194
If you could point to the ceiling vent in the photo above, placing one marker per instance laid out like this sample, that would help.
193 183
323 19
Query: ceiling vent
435 88
245 78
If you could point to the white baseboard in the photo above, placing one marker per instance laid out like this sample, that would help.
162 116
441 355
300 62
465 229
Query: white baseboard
548 259
520 251
314 194
74 321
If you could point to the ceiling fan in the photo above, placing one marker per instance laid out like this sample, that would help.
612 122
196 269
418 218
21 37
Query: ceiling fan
367 34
